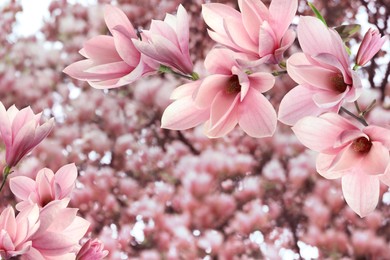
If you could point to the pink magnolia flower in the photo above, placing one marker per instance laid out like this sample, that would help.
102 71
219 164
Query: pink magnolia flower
229 96
46 188
358 156
59 232
15 233
21 132
371 44
322 72
92 250
167 41
257 31
111 61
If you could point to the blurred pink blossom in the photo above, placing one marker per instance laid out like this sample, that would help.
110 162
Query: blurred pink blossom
15 233
371 44
322 72
112 61
167 41
46 187
358 156
226 98
21 131
92 250
257 31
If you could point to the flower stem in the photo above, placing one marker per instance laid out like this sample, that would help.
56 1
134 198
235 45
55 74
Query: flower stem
358 118
6 172
165 69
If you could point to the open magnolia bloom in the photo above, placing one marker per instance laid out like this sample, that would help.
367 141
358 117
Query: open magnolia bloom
322 71
111 61
46 188
260 32
227 97
359 156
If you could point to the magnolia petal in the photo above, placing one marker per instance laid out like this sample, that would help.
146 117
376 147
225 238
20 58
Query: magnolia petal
183 114
22 186
257 117
214 13
282 13
385 178
125 47
378 134
223 115
66 177
261 81
182 29
235 30
209 88
101 49
290 111
360 191
323 163
114 17
376 160
186 90
317 133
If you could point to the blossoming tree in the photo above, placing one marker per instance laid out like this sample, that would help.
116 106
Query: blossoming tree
264 96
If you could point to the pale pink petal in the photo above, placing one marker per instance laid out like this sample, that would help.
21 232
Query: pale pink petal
257 117
323 163
8 222
253 14
65 177
223 115
221 61
125 47
282 13
347 159
53 244
110 70
185 90
268 42
376 160
360 191
303 72
101 49
114 16
214 13
209 88
385 178
378 134
23 117
317 133
261 81
236 32
182 29
329 99
22 186
287 40
162 28
183 114
5 126
290 111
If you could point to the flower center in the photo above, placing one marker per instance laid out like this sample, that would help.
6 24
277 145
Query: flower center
361 145
233 86
338 83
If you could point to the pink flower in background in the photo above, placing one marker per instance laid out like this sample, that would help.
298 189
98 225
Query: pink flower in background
167 41
59 232
358 156
229 96
260 32
15 233
322 72
111 61
371 44
21 131
46 188
92 250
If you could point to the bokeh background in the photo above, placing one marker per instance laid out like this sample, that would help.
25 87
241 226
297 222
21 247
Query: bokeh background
158 194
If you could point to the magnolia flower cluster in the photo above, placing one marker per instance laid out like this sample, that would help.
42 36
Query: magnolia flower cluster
45 227
253 40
